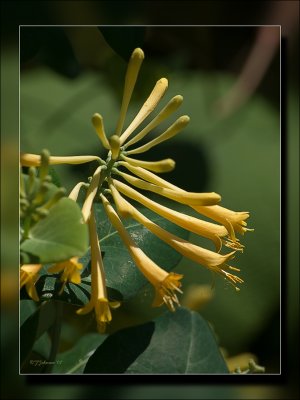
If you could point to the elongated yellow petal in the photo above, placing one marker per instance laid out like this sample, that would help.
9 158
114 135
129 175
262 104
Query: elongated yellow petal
192 224
188 198
91 193
196 253
87 308
173 130
133 68
226 217
151 271
34 160
147 108
232 221
98 299
149 176
97 121
98 274
28 277
165 283
170 108
114 142
75 191
165 165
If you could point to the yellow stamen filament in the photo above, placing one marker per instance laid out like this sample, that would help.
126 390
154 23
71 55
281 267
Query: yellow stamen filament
165 283
170 108
91 193
34 160
75 191
192 224
173 130
188 198
97 121
114 142
147 108
133 68
165 165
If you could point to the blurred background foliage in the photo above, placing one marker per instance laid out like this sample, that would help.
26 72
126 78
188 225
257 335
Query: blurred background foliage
68 73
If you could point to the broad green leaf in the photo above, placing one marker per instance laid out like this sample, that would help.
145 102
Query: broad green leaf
27 308
34 326
59 236
179 342
74 360
121 272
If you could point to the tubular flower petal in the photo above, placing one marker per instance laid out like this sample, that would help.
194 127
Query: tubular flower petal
91 193
181 197
231 219
98 300
133 68
147 108
166 165
192 224
75 191
114 142
34 160
173 130
165 283
207 258
70 271
97 121
28 277
170 108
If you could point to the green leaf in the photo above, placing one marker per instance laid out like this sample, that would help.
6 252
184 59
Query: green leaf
34 326
121 272
179 342
59 236
75 359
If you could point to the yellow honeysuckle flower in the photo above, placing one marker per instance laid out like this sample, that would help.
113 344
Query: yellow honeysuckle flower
75 191
70 271
132 72
28 277
232 221
211 231
91 193
99 300
188 198
34 160
165 283
209 259
169 109
175 128
165 165
149 105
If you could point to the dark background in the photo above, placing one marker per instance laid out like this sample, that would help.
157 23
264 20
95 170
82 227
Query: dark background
217 50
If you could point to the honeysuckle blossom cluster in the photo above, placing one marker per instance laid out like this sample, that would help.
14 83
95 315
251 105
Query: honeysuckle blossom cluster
122 177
